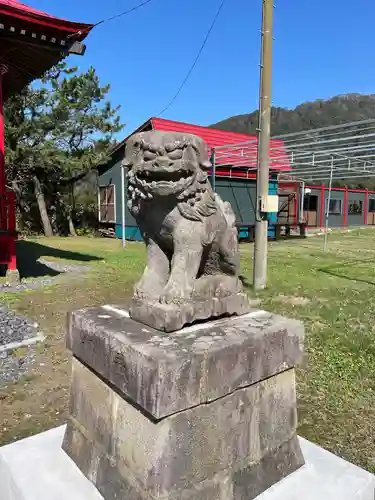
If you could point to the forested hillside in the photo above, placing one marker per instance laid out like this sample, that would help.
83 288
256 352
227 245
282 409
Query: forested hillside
316 114
311 115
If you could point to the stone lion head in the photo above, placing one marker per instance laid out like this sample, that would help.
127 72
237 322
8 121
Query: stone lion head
169 164
166 163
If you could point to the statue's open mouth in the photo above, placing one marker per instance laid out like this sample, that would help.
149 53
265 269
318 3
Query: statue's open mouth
149 176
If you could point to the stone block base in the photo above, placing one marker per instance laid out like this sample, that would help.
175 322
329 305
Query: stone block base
232 448
164 373
37 468
171 317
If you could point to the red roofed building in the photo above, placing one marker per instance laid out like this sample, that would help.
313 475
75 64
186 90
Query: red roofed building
31 43
235 173
220 140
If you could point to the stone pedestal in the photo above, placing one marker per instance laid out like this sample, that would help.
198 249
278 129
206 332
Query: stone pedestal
172 317
205 413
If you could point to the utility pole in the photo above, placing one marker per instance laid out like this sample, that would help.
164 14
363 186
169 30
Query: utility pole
261 222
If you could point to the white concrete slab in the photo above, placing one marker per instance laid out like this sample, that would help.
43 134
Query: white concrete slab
324 476
37 469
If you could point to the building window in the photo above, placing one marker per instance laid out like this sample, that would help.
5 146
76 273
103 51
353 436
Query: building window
335 207
371 205
355 207
107 203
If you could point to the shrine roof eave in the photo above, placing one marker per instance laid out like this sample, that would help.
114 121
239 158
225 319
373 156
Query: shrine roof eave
31 42
22 12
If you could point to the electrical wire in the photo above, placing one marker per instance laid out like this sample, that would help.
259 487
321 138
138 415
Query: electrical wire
195 60
116 16
136 7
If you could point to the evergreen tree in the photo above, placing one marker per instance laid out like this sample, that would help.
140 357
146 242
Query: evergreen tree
55 134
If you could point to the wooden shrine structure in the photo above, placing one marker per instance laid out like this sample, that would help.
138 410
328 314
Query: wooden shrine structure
31 42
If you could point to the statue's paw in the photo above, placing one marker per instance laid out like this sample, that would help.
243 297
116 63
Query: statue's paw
228 287
173 295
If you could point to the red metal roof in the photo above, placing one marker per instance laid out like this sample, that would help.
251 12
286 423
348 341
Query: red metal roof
211 136
243 155
23 7
243 158
24 12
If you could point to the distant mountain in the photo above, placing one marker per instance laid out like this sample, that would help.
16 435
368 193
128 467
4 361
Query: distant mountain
309 115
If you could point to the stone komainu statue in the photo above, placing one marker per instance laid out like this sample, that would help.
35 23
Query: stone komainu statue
190 233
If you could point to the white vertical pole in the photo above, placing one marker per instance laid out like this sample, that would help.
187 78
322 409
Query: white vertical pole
123 222
327 208
213 170
302 187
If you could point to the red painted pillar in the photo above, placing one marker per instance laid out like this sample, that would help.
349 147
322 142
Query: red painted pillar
2 140
345 208
365 211
7 205
3 70
322 206
11 202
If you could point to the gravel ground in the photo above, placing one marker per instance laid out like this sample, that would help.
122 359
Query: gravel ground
38 283
15 365
15 328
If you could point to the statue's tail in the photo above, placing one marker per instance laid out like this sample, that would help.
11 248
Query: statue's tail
227 210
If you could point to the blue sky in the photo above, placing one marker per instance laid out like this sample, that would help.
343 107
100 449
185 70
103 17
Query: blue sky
322 48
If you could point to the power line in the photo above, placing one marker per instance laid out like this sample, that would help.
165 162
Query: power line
116 16
195 60
136 7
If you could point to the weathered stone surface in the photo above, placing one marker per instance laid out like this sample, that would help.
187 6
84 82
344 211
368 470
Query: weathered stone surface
106 476
191 237
97 466
172 317
185 449
166 373
251 481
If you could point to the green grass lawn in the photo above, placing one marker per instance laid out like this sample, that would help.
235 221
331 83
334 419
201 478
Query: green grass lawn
332 292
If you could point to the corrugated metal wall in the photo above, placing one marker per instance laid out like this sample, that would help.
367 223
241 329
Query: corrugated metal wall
241 195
